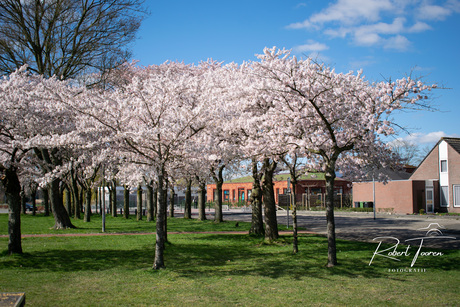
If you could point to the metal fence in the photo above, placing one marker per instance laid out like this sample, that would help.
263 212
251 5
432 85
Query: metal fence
315 201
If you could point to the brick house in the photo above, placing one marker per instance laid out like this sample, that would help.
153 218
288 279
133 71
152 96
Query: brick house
434 186
309 187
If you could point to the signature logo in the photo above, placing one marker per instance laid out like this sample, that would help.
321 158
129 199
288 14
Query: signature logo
433 232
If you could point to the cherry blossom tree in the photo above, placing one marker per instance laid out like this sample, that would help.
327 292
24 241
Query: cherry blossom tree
30 116
149 117
336 119
261 139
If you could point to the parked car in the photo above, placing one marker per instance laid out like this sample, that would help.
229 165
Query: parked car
29 207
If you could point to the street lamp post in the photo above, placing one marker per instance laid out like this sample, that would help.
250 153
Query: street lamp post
373 192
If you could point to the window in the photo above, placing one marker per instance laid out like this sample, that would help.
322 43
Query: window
444 196
456 193
443 166
226 195
240 194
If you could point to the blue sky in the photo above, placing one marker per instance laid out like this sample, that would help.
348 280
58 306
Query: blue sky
384 38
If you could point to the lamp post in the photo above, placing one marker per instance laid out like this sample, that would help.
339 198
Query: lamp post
288 191
373 191
103 200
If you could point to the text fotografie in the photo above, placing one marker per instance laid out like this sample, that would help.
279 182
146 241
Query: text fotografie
392 252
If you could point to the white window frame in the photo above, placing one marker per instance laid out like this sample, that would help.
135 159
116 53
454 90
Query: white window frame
454 194
447 197
441 168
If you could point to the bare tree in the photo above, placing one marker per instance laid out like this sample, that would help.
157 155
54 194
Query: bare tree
67 37
409 152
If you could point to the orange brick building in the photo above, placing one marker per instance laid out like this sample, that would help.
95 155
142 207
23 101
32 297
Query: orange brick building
433 187
239 190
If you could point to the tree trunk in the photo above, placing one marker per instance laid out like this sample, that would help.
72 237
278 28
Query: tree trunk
82 199
271 223
165 224
76 200
33 195
126 202
219 179
98 199
202 202
12 186
139 203
150 204
188 200
46 201
295 246
331 246
257 223
61 217
68 201
160 225
113 197
88 194
155 201
22 194
171 200
73 188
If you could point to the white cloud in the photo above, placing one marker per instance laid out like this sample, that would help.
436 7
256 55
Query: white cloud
302 4
367 38
385 28
369 35
312 49
419 27
382 34
453 5
311 46
426 138
366 21
340 32
352 11
300 25
361 63
398 42
433 12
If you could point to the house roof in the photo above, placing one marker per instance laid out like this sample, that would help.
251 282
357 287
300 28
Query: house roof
453 142
282 177
396 174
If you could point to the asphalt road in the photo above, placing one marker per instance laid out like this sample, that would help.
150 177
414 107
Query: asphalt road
443 231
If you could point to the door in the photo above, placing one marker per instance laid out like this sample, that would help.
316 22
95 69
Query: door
429 200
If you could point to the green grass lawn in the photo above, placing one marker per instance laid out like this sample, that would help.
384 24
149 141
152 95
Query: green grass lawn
215 270
40 224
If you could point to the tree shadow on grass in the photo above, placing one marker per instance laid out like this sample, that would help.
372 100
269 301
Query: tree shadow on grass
80 260
224 255
275 260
